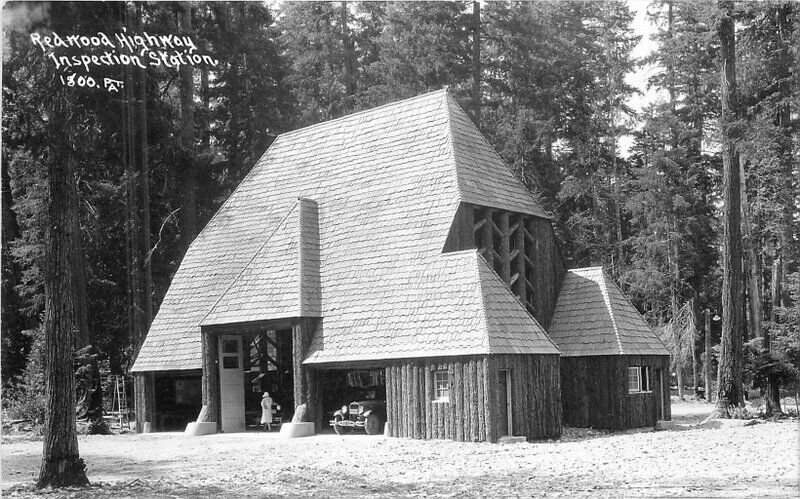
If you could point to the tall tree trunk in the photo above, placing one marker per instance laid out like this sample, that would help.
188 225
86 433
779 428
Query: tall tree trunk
205 140
696 145
144 177
349 60
133 223
188 175
677 336
476 62
775 281
753 270
671 76
140 303
729 379
695 328
786 154
772 398
80 300
782 255
617 212
707 366
61 462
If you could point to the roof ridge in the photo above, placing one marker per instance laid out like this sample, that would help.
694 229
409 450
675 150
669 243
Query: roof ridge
607 300
360 113
628 300
255 254
584 269
452 146
492 151
482 309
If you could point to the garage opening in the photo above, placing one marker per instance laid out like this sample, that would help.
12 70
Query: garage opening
354 399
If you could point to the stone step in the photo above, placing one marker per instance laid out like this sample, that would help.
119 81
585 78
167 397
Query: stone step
511 440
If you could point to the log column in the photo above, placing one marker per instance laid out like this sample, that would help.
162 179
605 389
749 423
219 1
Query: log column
306 390
144 400
504 249
488 238
520 285
210 413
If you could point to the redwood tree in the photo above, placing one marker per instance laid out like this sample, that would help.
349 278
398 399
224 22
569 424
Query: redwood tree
61 462
729 390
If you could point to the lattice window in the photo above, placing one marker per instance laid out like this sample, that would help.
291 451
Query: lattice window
638 379
441 386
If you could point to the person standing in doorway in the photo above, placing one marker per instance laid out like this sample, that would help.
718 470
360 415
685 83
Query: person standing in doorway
266 411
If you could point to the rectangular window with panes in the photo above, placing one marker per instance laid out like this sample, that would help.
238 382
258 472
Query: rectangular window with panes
441 386
638 379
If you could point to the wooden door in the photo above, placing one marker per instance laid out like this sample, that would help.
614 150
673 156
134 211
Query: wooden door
505 424
659 392
231 383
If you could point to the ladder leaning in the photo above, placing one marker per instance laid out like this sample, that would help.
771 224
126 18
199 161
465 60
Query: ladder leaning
120 401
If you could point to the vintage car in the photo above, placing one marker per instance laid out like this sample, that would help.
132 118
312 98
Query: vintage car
367 414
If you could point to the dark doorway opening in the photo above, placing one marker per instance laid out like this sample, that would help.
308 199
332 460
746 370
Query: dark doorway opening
659 389
177 401
268 368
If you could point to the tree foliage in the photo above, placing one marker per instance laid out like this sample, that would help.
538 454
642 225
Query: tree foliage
154 163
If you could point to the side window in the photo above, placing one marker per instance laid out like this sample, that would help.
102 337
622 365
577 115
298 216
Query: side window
441 386
638 379
634 380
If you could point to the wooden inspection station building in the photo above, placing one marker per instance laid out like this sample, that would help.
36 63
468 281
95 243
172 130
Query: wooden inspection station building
395 241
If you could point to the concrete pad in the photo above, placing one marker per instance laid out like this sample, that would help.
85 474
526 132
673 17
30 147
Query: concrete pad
297 430
196 429
511 440
664 425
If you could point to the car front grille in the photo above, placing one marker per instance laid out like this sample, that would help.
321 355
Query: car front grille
353 411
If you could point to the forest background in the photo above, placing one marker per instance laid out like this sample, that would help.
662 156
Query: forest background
546 82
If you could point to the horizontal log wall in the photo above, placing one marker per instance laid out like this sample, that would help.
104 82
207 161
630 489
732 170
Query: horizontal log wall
595 392
472 410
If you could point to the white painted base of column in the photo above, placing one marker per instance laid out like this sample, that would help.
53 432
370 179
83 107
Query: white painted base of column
296 430
196 429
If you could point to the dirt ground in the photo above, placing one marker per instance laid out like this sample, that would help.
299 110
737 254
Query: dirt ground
727 460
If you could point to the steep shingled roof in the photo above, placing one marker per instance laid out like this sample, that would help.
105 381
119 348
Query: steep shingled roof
387 183
282 279
593 317
446 304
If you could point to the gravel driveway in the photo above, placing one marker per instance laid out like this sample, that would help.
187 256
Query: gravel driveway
731 460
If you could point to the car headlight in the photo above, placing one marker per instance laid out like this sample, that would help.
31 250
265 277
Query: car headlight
361 409
344 409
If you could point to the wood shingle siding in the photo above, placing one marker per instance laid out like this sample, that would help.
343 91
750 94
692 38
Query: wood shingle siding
472 411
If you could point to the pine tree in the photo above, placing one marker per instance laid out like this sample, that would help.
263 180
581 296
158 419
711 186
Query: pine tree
423 46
